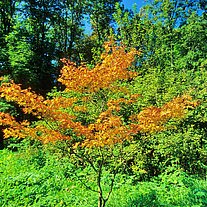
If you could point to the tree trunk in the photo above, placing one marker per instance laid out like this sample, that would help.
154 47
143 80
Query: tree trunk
101 200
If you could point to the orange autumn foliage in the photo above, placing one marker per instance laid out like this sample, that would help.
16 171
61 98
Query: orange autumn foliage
153 119
109 128
115 61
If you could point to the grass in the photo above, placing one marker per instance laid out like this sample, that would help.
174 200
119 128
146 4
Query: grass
34 177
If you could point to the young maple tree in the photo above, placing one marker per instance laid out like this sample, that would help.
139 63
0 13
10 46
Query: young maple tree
98 143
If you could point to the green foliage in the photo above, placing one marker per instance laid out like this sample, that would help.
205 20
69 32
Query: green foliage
6 107
155 170
20 55
27 179
51 181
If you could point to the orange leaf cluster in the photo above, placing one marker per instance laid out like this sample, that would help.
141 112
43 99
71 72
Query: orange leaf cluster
6 119
11 127
30 101
108 132
39 132
113 67
109 129
152 119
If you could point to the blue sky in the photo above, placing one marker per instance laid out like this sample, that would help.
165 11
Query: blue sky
129 3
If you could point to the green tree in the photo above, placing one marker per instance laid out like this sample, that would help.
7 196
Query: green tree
172 38
100 14
101 18
49 29
20 56
7 11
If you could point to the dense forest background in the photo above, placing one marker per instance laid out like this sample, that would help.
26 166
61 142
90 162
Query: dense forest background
35 35
155 168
